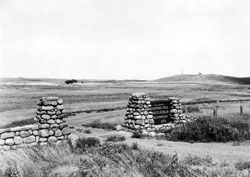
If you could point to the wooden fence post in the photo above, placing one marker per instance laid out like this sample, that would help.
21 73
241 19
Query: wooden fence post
215 113
241 110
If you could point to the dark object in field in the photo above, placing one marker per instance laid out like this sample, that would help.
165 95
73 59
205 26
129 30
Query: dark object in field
115 138
137 134
87 131
72 81
99 124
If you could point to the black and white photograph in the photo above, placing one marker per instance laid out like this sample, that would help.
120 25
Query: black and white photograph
124 88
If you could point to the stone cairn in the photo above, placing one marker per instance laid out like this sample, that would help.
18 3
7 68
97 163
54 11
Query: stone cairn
139 114
49 127
50 119
175 110
153 116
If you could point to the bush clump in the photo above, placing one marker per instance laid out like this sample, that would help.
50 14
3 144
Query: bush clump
137 134
83 143
242 165
115 138
209 129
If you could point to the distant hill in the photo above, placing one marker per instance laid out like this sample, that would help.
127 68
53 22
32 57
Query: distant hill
206 78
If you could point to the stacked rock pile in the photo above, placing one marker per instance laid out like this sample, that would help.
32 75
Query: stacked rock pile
153 116
175 109
139 114
49 127
51 120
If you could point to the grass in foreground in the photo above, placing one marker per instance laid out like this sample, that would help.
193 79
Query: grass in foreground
90 158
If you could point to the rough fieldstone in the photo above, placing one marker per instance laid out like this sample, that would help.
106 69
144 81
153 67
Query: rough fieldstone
29 139
9 141
60 137
152 134
47 108
137 117
58 132
139 122
54 116
43 126
43 139
73 138
18 140
24 134
59 142
51 132
119 128
37 139
60 101
41 112
53 103
7 135
52 139
35 132
51 121
44 133
17 133
13 147
1 142
60 107
66 131
54 126
46 117
51 112
43 143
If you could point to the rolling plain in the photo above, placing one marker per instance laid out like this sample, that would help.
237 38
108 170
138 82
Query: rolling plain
106 101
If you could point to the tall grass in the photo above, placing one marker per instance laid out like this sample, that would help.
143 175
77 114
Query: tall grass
106 160
208 129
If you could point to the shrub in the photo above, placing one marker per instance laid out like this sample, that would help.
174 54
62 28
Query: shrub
87 131
99 124
242 165
198 161
135 146
83 143
137 134
211 130
115 138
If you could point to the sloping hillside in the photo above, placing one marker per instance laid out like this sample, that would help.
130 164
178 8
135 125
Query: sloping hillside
206 78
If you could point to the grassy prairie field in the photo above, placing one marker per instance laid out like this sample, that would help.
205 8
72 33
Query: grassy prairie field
106 102
18 97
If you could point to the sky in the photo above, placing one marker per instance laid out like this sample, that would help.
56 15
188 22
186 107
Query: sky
123 39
